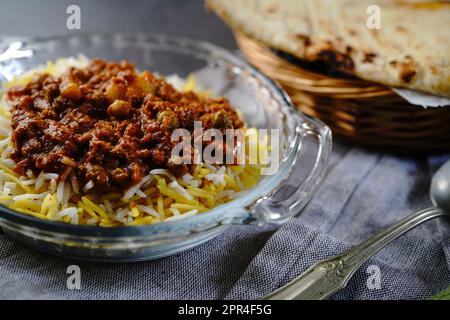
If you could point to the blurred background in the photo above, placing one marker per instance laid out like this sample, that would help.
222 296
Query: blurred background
181 17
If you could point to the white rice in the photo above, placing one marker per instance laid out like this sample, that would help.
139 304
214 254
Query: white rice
29 173
175 211
176 186
60 191
182 216
53 185
2 178
88 186
136 188
4 142
91 221
149 210
30 196
176 81
74 184
189 179
6 152
42 177
163 172
28 182
70 212
66 193
218 177
108 207
210 167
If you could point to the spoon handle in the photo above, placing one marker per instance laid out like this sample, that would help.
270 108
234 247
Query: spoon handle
329 276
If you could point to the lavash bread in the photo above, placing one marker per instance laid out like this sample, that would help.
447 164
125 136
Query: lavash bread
411 50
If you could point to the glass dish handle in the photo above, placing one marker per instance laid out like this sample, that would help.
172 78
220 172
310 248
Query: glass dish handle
277 208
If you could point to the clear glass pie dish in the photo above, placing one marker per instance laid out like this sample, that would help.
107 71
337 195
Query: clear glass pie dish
305 147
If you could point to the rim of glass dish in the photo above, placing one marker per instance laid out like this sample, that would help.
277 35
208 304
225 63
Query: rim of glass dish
259 191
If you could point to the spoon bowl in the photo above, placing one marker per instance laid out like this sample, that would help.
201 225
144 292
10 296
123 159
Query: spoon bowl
440 188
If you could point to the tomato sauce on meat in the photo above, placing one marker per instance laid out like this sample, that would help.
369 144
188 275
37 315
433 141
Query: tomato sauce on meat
106 123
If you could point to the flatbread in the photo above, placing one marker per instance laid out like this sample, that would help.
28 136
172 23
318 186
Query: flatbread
411 50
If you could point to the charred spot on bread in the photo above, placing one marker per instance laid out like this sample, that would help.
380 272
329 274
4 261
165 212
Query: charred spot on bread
407 69
304 39
336 59
327 53
407 74
369 57
272 8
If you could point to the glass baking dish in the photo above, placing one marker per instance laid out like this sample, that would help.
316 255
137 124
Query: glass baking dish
305 147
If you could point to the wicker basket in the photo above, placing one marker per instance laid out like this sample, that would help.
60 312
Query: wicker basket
356 110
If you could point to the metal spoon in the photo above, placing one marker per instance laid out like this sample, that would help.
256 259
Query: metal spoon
331 275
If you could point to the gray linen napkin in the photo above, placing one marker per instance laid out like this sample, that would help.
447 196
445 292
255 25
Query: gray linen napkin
363 192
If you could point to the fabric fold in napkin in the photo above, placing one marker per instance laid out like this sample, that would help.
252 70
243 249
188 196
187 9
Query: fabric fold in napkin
363 193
